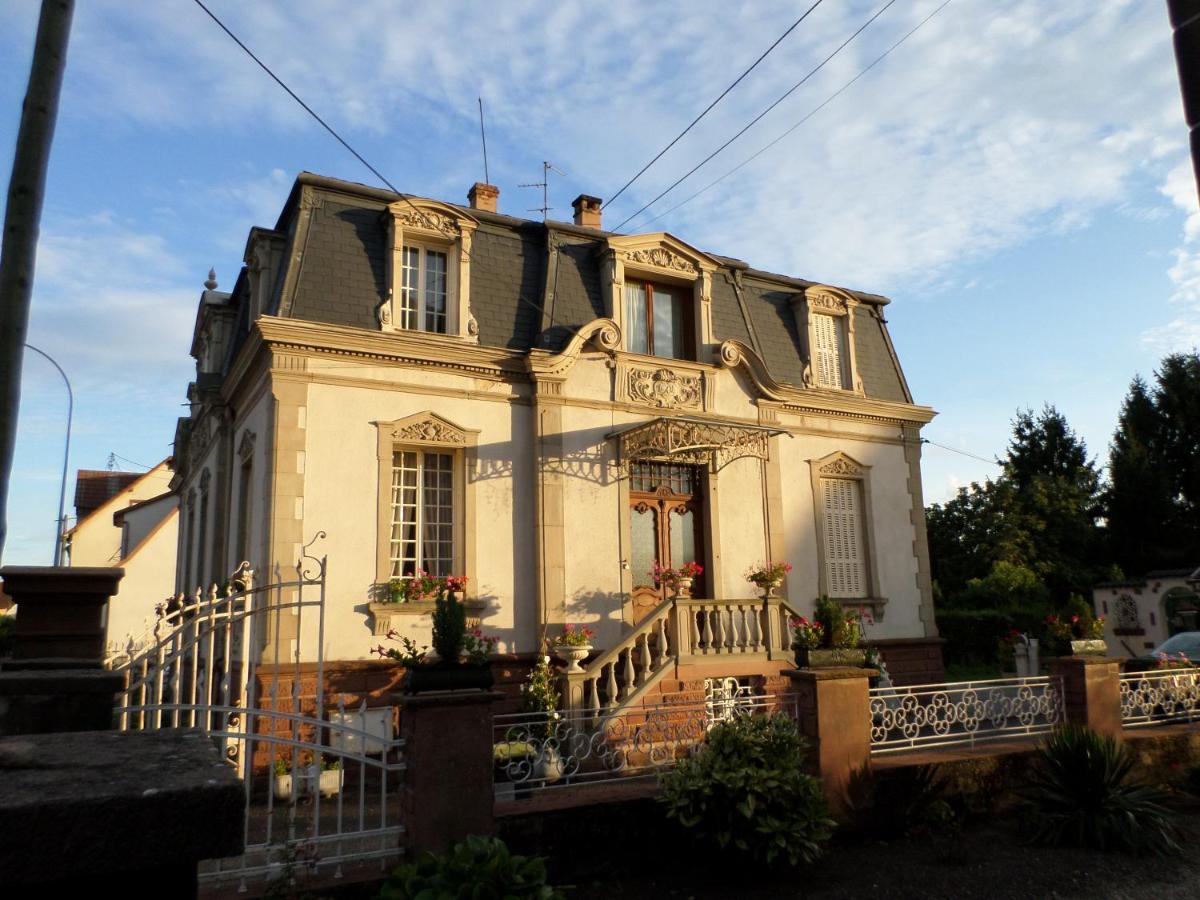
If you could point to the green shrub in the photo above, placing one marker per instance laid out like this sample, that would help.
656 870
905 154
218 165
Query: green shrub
746 789
478 868
449 628
1081 793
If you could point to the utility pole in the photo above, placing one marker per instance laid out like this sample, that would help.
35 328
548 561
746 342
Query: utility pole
22 216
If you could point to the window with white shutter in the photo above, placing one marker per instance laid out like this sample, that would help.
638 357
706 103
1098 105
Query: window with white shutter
827 351
845 556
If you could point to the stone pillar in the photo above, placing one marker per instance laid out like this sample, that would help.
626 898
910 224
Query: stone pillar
62 614
55 680
1091 691
834 713
447 789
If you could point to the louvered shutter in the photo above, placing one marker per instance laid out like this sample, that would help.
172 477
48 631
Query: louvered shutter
845 560
827 352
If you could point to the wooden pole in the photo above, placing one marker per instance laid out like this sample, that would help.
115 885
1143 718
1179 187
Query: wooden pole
22 215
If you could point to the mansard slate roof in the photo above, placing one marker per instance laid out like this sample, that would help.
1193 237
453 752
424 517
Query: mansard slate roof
520 267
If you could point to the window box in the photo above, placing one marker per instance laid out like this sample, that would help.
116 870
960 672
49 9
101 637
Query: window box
382 614
826 657
448 677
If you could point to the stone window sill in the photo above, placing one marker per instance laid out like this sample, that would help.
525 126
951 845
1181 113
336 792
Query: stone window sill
383 613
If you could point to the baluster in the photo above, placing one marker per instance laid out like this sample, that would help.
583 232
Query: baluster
644 675
610 701
708 632
720 630
662 642
627 687
595 685
748 625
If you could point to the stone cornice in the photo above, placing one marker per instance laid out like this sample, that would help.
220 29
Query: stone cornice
447 352
732 354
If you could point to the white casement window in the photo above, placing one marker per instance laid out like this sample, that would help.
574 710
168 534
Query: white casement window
422 513
845 546
424 291
827 354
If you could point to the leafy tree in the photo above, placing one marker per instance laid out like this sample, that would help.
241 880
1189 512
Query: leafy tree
1153 498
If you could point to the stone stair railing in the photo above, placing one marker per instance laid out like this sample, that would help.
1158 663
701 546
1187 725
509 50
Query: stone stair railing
678 631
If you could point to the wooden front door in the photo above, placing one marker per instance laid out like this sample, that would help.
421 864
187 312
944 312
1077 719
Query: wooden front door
666 527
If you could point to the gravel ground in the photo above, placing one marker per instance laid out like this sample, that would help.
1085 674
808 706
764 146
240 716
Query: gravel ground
985 862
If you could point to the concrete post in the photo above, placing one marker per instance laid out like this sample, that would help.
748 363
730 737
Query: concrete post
447 789
1091 691
834 712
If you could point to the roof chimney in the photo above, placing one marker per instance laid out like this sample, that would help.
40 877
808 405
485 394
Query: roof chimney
587 211
483 196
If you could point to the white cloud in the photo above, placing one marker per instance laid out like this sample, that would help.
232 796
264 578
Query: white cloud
1183 331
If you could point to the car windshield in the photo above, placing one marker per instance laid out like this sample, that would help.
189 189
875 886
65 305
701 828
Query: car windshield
1187 643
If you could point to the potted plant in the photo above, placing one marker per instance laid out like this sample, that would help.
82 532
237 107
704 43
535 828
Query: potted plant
462 656
282 787
677 581
331 777
573 646
831 639
1080 634
540 698
768 577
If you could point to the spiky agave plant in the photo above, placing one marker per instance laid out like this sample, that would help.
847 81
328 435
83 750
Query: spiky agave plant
1081 792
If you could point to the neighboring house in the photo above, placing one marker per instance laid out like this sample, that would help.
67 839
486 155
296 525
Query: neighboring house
548 409
129 520
1141 613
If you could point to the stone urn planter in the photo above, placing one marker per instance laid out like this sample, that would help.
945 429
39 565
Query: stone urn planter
683 590
550 766
448 677
769 588
1091 647
828 657
329 781
572 655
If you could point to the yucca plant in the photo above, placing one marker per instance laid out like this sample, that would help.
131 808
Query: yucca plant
1081 793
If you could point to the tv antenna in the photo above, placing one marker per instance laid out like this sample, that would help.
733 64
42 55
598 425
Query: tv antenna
547 168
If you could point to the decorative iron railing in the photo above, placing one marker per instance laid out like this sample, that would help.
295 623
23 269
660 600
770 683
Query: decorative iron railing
1160 696
540 751
965 712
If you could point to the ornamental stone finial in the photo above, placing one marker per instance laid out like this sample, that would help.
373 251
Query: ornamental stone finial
211 283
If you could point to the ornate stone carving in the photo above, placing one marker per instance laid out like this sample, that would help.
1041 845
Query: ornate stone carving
429 431
826 303
666 389
663 259
472 326
246 444
429 220
843 466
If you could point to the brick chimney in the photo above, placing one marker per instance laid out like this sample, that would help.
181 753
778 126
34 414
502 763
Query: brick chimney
587 211
483 196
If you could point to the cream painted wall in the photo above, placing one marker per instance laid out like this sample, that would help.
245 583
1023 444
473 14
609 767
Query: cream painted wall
149 575
743 531
341 498
891 504
95 540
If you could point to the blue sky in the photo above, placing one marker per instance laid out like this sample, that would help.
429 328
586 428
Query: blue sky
1014 177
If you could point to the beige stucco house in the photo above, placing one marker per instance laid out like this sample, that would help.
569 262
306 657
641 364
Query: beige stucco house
128 520
549 409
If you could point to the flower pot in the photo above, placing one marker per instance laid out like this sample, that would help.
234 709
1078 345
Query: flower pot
1091 647
572 655
283 787
549 766
770 587
330 782
448 677
683 589
827 657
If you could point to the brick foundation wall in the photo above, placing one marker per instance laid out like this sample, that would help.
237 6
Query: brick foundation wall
913 660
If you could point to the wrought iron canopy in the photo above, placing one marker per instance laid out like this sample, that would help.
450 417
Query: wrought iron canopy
697 441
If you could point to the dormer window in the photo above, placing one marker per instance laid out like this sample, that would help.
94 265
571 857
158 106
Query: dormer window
658 319
429 270
825 319
828 355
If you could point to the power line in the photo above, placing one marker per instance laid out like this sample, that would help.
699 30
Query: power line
114 455
992 462
336 136
812 113
756 119
708 108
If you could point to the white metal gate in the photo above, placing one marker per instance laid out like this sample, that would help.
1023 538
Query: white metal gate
243 663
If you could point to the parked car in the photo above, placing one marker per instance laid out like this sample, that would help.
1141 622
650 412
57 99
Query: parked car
1180 648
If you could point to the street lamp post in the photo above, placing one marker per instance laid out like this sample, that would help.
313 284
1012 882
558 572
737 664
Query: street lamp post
62 493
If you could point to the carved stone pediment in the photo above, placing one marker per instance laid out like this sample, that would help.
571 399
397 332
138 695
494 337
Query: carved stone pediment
663 258
842 466
428 220
426 429
664 388
826 302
